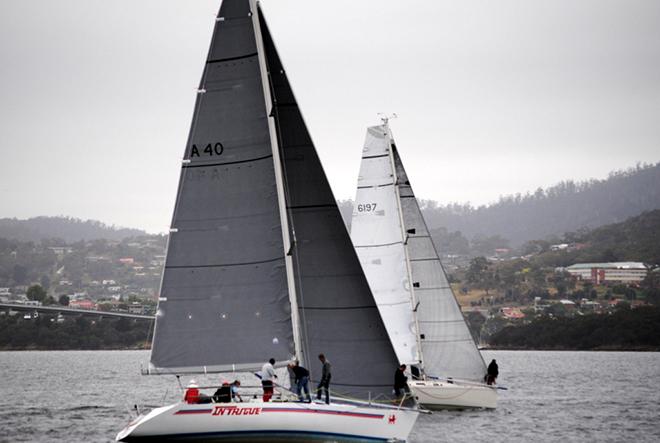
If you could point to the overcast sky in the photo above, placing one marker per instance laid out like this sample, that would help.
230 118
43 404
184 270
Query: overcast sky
493 97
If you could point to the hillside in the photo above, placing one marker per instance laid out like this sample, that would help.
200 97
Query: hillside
567 206
65 228
635 239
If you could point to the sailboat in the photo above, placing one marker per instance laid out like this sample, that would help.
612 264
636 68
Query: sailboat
259 264
422 316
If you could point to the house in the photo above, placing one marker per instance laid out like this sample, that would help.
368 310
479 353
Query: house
512 313
135 308
615 272
83 304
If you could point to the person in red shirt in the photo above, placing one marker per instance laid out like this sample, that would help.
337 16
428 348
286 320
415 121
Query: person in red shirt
192 393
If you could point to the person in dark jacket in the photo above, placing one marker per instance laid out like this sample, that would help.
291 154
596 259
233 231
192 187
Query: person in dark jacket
324 384
223 394
400 381
301 380
493 372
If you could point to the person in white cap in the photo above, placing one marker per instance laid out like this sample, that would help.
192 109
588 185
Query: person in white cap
192 392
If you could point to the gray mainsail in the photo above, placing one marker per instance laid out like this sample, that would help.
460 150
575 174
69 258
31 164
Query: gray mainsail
448 348
250 183
337 311
224 297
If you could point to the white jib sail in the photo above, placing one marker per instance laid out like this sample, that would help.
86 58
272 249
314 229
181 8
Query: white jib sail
378 237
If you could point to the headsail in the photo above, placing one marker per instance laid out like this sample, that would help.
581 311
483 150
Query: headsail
224 297
447 348
447 345
337 311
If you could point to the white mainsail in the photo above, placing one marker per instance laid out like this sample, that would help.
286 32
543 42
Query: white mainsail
431 316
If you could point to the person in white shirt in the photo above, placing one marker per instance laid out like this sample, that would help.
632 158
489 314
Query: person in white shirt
267 376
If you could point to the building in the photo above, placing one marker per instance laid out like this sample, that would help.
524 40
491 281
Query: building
602 273
83 304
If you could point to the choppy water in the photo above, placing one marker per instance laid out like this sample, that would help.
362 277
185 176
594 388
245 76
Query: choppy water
553 396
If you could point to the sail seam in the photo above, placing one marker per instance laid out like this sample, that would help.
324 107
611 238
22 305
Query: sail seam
229 59
337 308
225 264
375 156
379 245
311 206
376 186
226 163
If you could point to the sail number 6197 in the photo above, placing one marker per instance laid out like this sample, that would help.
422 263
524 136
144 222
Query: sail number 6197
366 207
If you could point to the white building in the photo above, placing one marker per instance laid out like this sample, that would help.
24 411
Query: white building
616 272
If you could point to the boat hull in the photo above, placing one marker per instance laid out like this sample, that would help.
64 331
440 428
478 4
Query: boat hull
259 421
455 395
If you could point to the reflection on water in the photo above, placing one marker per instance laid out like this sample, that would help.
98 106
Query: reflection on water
86 396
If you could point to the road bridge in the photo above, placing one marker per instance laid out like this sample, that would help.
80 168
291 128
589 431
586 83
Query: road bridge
65 310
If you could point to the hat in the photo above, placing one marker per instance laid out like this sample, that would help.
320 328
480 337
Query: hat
192 384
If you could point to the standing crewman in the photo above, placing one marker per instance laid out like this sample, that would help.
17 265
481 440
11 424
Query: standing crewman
493 372
400 381
267 376
326 375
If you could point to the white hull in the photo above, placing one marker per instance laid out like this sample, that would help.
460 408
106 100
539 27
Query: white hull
272 421
455 395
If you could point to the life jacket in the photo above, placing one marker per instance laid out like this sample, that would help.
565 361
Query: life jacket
192 395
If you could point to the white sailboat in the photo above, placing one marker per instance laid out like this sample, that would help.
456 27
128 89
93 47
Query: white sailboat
422 316
259 265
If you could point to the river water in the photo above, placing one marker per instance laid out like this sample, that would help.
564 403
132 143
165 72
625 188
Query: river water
84 396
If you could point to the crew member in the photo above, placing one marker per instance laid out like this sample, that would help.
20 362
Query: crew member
493 372
267 376
324 384
192 392
400 381
301 381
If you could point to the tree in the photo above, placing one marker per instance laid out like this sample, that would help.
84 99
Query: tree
64 300
36 292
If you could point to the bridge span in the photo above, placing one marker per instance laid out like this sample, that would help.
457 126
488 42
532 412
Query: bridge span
65 310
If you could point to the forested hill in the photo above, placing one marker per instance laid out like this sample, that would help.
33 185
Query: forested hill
65 228
567 206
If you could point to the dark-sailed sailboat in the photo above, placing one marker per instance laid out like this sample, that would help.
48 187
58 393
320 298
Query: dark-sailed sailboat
259 263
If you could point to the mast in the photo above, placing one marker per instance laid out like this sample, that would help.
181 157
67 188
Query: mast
281 200
404 237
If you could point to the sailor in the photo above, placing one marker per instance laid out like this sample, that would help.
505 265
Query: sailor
400 381
324 384
223 394
192 392
493 372
267 376
234 391
301 381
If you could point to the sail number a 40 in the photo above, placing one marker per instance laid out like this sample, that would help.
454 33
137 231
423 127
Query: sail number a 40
366 207
211 149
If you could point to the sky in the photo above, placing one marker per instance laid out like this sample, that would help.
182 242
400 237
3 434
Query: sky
493 97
